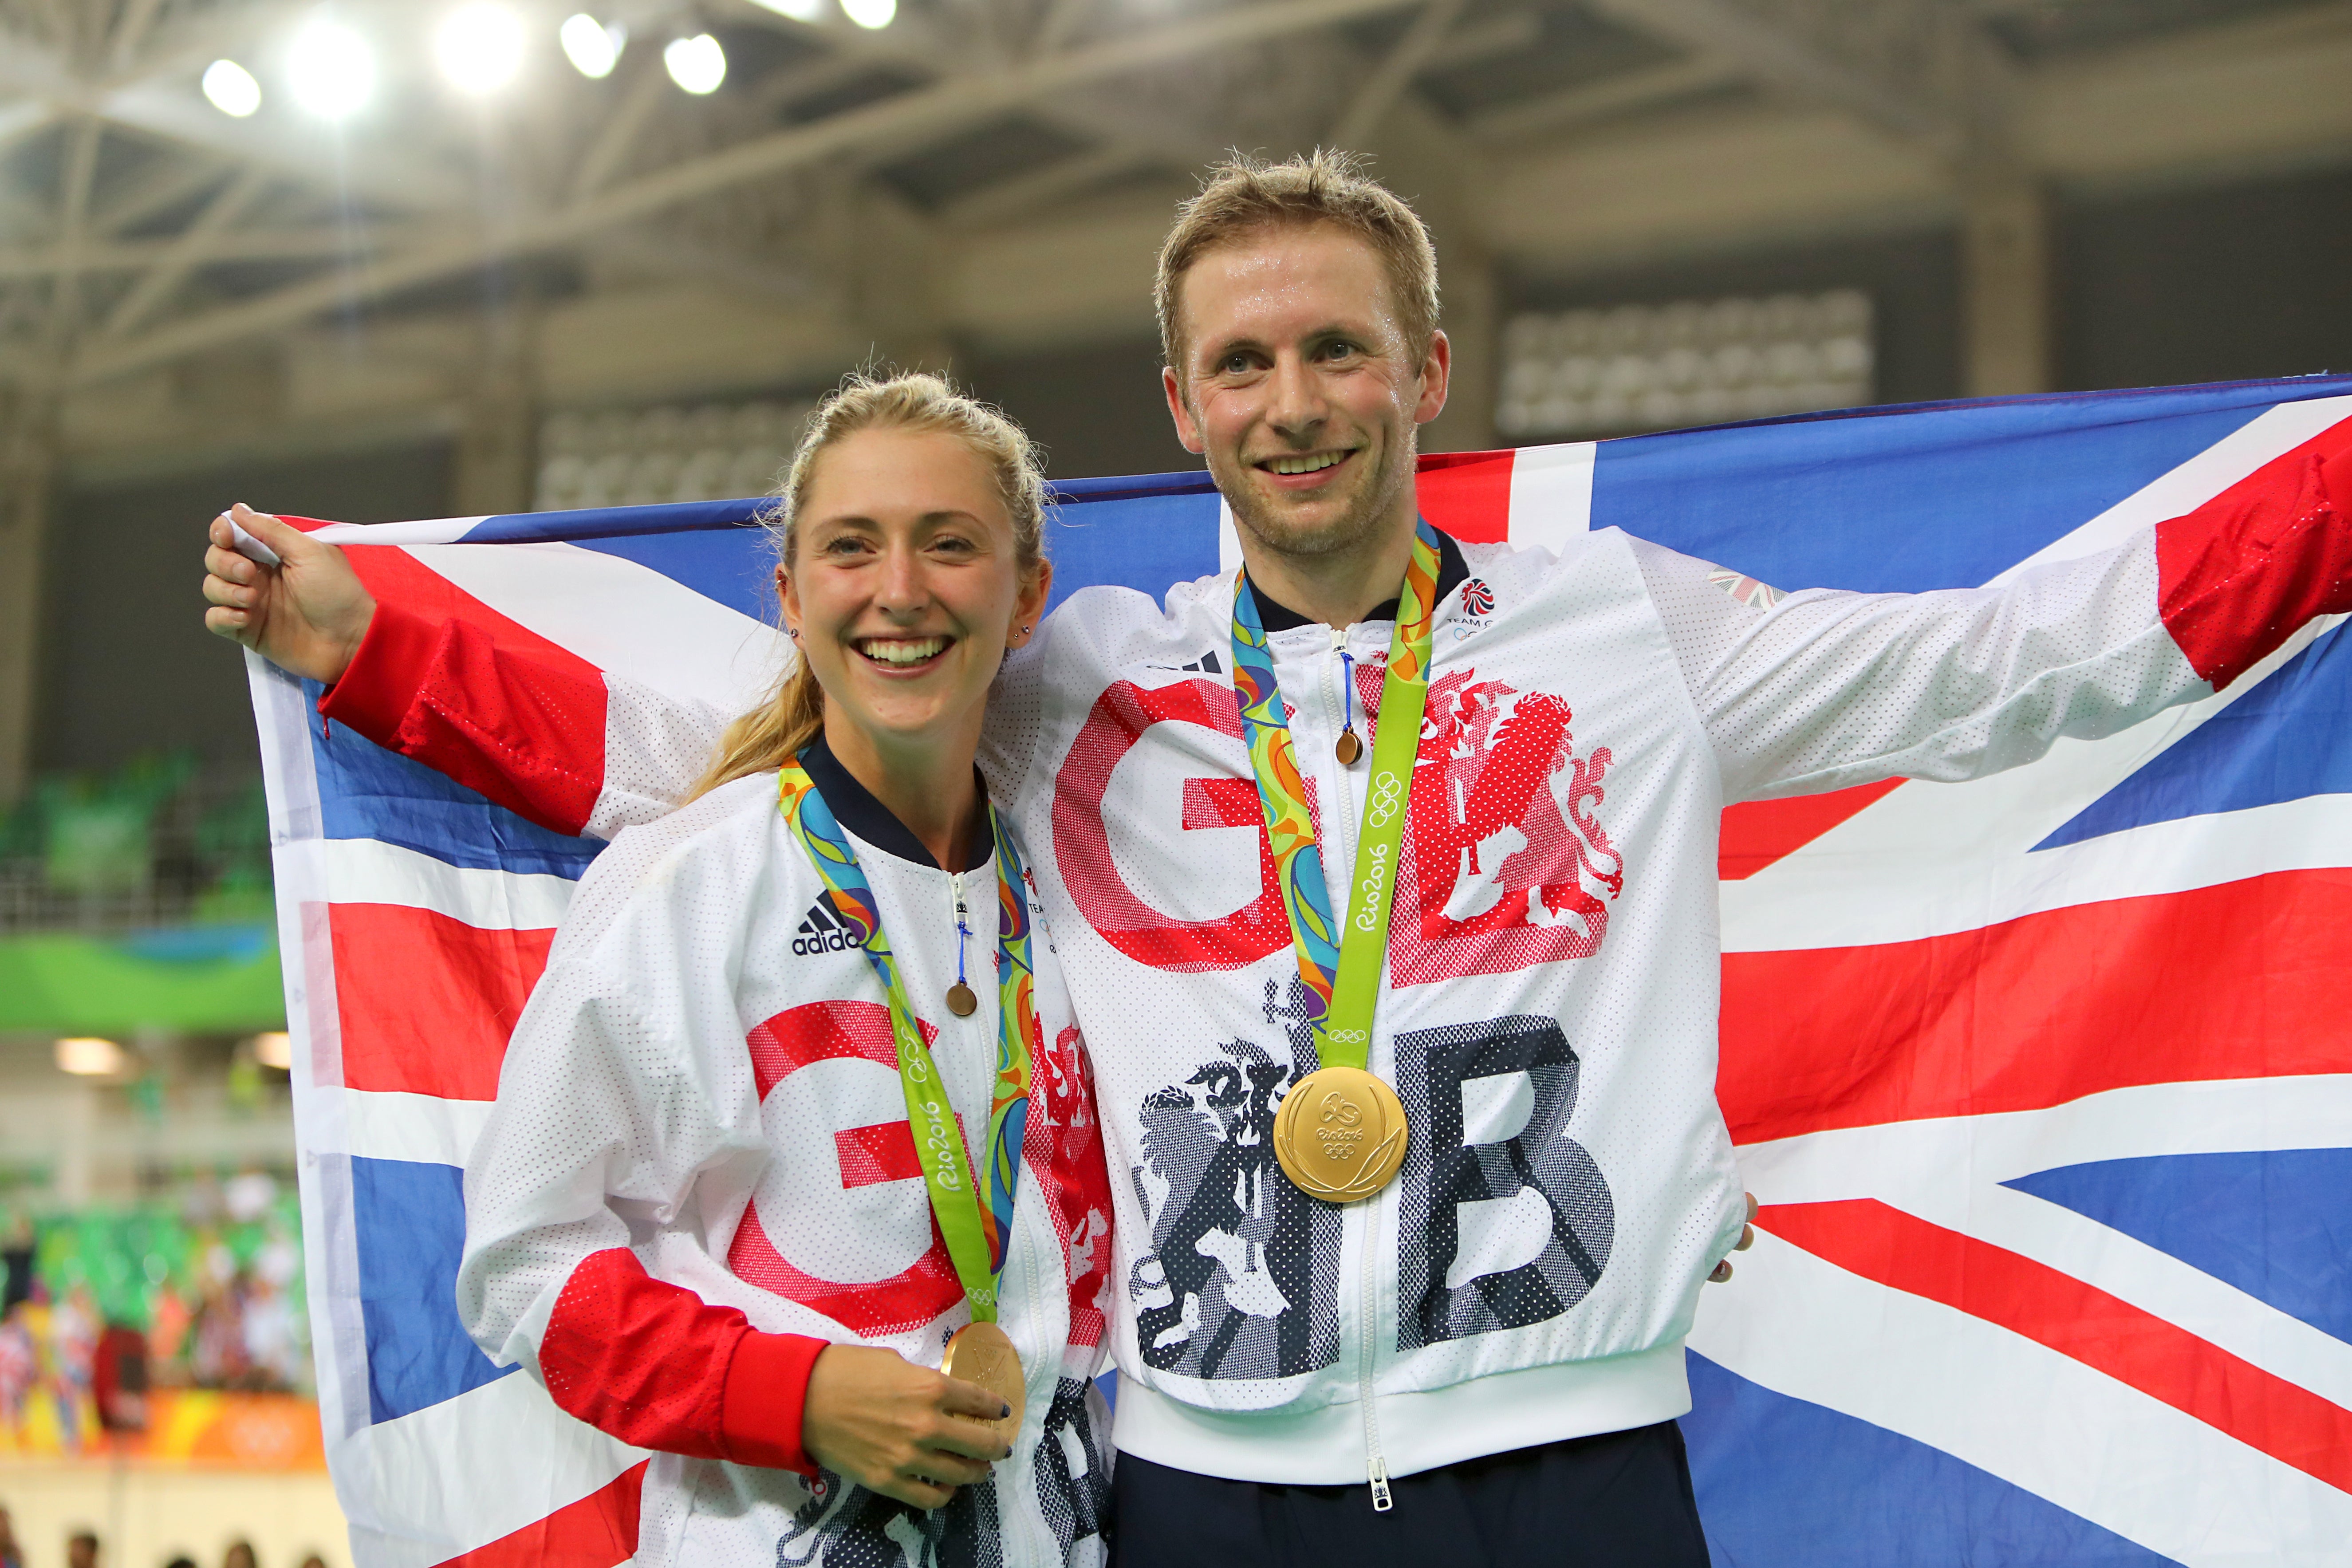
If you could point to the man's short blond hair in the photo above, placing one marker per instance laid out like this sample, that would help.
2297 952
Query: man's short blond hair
1247 196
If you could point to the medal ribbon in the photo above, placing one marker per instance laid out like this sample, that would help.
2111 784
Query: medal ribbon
1343 976
977 1232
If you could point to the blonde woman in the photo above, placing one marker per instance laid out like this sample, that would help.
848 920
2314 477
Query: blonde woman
787 1211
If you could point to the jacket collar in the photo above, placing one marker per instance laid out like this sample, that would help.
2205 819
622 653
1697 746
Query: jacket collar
1452 572
853 806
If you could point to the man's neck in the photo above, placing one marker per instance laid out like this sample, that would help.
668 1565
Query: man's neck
928 788
1339 589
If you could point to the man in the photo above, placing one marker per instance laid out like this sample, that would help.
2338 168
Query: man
1481 1358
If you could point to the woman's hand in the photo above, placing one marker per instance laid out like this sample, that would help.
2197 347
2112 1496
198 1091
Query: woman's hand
306 615
875 1418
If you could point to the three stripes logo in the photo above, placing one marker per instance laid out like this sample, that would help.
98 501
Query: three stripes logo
823 931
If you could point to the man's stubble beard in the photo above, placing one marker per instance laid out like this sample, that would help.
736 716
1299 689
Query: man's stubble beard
1359 522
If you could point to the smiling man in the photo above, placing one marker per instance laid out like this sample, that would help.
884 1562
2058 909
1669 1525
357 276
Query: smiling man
1407 1085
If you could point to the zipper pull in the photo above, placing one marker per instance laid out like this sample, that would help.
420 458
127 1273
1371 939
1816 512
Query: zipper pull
1347 748
960 1000
1382 1500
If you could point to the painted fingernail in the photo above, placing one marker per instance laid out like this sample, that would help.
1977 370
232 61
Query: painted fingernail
1004 1411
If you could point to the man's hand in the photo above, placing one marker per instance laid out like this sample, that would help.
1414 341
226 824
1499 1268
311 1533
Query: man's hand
1747 1239
306 615
875 1418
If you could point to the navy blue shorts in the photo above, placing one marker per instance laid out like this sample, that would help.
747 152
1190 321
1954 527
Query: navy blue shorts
1620 1499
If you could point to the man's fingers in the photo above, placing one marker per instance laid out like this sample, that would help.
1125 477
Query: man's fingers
958 1435
225 623
286 541
1722 1272
1754 1209
911 1489
1746 1238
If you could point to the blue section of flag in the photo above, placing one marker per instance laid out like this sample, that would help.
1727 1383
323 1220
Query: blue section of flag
1783 1480
410 1220
2288 737
1901 499
2275 1223
1145 541
733 566
366 792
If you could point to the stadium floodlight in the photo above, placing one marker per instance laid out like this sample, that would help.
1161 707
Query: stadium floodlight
230 88
89 1057
275 1049
479 48
798 10
697 64
331 69
594 47
871 13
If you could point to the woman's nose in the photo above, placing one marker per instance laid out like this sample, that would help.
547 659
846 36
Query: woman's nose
903 586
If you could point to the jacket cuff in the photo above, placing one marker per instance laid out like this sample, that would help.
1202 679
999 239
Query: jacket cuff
386 676
766 1391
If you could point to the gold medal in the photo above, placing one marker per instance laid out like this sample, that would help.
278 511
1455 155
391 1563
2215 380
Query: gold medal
1349 748
984 1353
1340 1134
961 1001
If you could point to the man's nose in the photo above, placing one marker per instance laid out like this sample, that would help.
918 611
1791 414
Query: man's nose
1294 404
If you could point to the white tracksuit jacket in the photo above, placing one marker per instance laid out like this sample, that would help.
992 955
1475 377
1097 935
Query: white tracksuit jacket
697 1172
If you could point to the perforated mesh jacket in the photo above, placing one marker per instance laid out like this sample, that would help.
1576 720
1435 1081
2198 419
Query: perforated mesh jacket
699 1173
1551 1009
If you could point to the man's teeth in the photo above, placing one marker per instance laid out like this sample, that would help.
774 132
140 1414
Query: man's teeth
1308 463
901 650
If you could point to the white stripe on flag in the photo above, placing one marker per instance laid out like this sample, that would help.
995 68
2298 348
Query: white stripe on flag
365 872
422 1128
1552 495
427 530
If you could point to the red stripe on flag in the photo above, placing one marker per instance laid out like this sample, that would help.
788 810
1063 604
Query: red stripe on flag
393 573
427 1003
2248 979
1468 494
598 1532
1757 832
2162 1360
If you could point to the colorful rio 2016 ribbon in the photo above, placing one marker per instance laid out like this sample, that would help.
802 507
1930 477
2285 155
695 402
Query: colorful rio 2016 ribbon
977 1232
1343 975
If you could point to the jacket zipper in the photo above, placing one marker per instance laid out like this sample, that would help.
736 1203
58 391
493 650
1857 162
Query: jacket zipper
1376 1469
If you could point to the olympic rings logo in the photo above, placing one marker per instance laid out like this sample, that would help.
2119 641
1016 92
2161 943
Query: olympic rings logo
1346 1036
1388 795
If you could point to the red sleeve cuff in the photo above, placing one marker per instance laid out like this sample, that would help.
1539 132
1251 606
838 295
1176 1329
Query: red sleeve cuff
767 1390
386 675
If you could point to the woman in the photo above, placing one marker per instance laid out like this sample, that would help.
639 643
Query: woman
764 1150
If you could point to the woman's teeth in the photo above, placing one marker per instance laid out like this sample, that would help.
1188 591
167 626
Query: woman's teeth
1308 463
902 650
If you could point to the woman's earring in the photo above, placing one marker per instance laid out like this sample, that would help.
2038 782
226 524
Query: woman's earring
793 633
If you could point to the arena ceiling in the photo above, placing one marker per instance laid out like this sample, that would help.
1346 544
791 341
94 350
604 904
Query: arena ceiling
140 225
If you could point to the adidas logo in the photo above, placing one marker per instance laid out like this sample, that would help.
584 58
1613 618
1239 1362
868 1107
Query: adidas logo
823 930
1206 665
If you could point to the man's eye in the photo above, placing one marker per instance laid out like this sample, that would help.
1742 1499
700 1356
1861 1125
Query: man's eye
1235 364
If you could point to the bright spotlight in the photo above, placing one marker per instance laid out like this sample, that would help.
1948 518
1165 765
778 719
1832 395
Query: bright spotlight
332 70
697 64
479 48
231 89
275 1049
798 10
89 1057
870 13
594 47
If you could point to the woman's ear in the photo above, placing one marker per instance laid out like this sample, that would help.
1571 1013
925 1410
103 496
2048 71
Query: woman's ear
1030 609
789 601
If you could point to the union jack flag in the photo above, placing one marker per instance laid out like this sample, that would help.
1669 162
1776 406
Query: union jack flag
2045 1081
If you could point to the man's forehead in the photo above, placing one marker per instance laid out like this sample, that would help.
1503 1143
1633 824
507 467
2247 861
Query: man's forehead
1284 281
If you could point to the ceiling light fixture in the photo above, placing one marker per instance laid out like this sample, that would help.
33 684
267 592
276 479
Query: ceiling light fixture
89 1057
331 69
594 47
697 64
230 88
275 1049
479 49
871 13
798 10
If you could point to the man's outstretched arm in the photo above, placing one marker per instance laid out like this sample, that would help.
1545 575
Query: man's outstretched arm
576 749
1826 690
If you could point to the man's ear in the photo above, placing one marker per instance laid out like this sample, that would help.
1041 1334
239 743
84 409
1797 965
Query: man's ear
1436 373
1188 429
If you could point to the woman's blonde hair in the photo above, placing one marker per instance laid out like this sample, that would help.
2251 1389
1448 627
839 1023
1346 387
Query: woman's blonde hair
793 713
